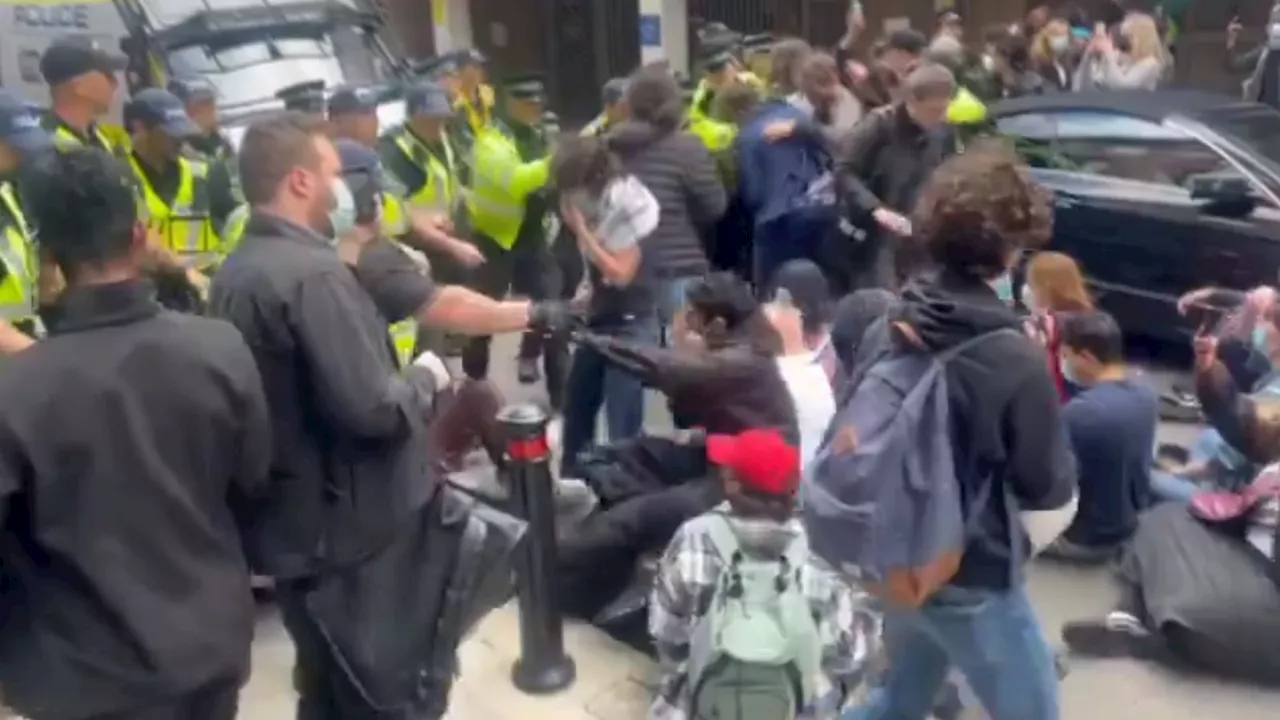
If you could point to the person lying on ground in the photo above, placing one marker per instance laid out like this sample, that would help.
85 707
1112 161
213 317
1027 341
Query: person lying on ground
833 628
1111 423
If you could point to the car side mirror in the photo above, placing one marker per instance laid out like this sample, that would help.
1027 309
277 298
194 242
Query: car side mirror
1223 193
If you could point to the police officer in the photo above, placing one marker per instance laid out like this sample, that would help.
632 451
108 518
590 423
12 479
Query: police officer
473 104
174 190
424 171
304 97
21 138
82 84
353 112
615 109
200 98
506 209
719 71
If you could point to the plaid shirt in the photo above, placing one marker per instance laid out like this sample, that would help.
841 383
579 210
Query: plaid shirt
683 591
625 214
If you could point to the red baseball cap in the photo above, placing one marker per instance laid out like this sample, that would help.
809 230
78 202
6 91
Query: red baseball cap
762 460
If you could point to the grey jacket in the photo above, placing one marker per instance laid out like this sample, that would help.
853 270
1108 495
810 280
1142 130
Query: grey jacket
679 171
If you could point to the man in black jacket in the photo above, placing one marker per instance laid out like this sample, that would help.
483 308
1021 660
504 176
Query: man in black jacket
886 160
351 527
976 216
129 439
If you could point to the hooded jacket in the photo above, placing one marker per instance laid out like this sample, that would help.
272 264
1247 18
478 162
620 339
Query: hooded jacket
1007 435
677 169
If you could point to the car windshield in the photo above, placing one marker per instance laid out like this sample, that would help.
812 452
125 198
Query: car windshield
250 74
1257 128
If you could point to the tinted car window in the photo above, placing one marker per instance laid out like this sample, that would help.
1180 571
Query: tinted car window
1113 146
1257 128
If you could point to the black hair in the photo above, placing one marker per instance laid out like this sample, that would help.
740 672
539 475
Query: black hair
907 40
583 162
1096 333
84 203
1016 51
726 297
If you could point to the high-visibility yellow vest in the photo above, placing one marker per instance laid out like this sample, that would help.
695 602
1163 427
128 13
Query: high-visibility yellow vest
440 192
717 136
701 91
500 184
18 291
598 127
64 140
233 229
966 109
184 227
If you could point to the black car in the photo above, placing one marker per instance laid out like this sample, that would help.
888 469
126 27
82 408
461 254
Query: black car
1155 193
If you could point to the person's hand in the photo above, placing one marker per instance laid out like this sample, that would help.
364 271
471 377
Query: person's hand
856 71
200 282
553 317
439 371
1261 301
779 130
1195 297
1233 32
1205 348
892 221
1102 43
468 255
573 218
789 325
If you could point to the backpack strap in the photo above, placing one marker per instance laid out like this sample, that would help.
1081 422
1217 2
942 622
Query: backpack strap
723 538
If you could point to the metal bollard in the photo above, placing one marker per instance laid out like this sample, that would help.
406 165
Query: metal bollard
543 666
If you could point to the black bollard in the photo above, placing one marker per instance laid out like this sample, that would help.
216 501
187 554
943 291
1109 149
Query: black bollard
543 667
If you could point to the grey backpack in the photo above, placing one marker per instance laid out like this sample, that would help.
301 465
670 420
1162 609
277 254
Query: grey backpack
881 502
756 653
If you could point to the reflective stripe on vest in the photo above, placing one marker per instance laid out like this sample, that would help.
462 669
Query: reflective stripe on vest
440 191
404 336
18 291
65 140
493 210
233 228
185 227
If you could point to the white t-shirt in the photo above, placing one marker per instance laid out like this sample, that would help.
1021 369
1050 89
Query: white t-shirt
815 402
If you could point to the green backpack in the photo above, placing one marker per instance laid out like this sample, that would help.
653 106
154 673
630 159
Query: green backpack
756 653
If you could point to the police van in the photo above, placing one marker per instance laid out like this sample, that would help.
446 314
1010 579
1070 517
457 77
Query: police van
247 49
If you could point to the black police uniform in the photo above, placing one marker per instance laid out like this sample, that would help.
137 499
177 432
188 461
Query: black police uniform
134 432
353 531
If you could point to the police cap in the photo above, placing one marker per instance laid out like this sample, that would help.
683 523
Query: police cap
613 91
68 58
159 108
193 90
526 87
20 126
429 99
352 100
307 97
717 61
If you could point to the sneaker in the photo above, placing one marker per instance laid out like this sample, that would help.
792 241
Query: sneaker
527 371
1119 635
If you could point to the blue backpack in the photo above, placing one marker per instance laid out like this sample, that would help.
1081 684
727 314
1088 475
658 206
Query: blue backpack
882 503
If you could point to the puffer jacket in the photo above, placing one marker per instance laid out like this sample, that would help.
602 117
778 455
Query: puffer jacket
679 171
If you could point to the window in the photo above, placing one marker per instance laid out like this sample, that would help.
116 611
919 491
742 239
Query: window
1112 145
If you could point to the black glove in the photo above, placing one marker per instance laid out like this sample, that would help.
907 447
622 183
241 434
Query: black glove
554 317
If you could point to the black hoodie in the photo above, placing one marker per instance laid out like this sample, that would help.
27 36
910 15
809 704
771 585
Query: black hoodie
1005 422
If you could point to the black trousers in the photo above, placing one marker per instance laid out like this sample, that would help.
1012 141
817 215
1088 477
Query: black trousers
525 269
563 273
218 700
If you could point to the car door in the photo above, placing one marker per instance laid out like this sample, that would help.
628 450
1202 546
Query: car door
1120 208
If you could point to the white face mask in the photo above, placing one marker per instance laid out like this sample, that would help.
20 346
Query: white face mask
342 217
1059 44
988 63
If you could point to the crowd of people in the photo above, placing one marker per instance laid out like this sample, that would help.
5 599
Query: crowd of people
844 297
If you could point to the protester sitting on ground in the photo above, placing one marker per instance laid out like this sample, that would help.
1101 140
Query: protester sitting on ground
1054 286
1214 462
1111 424
800 310
1200 588
722 376
822 621
977 214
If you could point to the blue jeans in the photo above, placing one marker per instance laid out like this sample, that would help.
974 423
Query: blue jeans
594 382
671 298
992 637
1167 487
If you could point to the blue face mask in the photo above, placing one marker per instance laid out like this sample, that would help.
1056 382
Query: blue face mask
1259 339
1003 286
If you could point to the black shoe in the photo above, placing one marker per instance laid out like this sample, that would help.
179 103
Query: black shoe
1120 635
527 371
